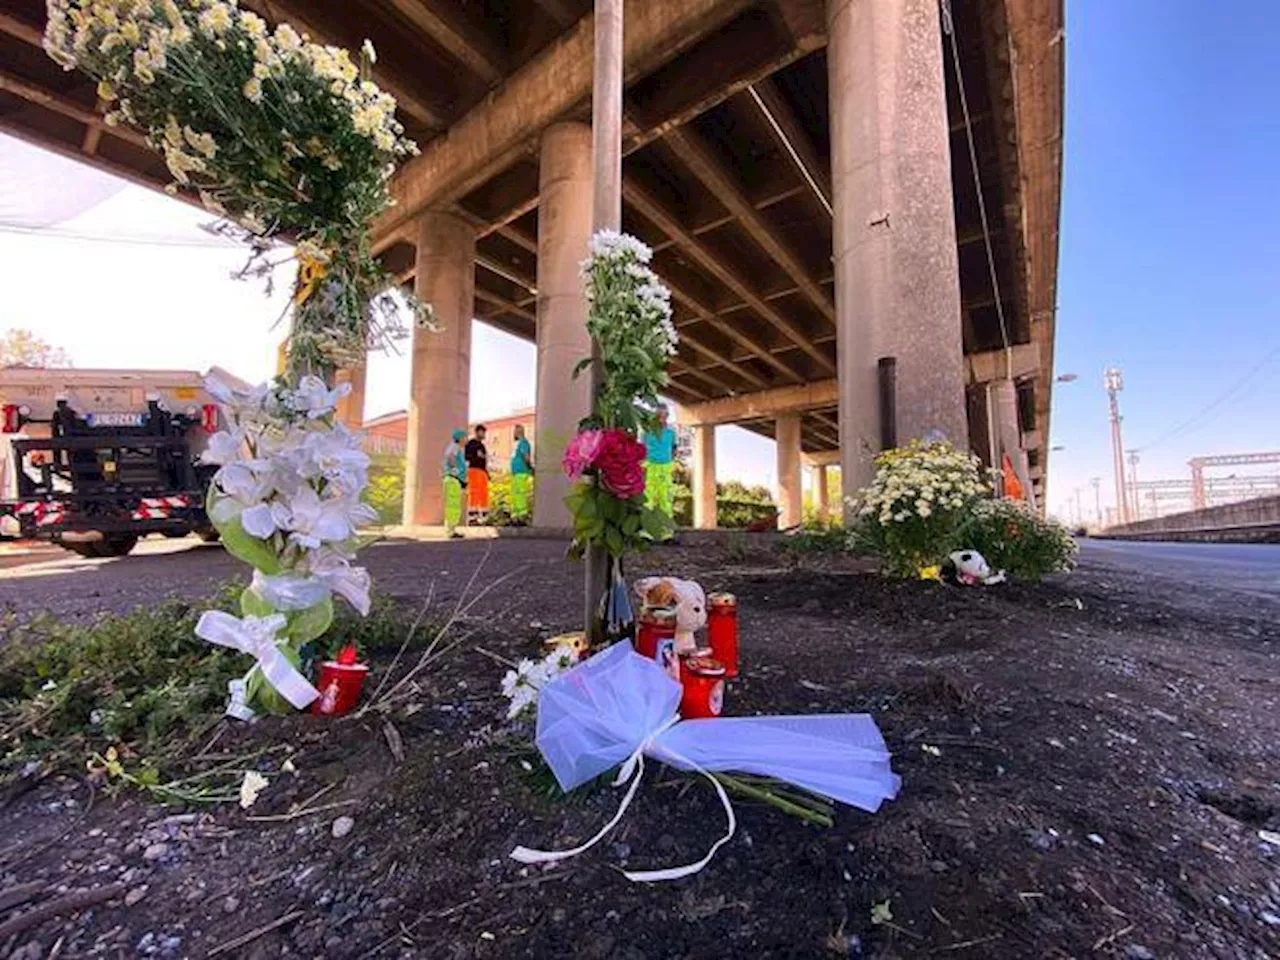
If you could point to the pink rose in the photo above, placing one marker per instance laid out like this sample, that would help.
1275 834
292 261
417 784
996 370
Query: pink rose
581 453
620 461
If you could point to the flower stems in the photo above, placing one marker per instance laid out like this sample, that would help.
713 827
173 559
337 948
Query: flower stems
810 809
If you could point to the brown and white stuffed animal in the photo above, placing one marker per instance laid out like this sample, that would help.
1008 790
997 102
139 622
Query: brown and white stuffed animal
688 600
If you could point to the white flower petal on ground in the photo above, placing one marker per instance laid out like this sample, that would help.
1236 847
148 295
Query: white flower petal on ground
252 785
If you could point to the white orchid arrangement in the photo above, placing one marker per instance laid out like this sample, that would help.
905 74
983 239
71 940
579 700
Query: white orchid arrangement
287 500
522 685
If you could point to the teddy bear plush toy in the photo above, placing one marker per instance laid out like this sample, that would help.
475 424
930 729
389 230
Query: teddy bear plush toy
688 600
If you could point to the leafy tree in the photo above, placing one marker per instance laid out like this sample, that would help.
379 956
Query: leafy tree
22 348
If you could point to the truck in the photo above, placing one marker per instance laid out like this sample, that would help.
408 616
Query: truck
93 460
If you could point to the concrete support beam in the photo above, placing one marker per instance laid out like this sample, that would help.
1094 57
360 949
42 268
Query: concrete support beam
564 230
440 384
823 458
1023 359
790 501
350 410
764 403
547 88
896 271
821 493
704 477
468 46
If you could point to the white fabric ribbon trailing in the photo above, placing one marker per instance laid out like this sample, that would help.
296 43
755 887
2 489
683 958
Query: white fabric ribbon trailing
618 707
256 636
632 771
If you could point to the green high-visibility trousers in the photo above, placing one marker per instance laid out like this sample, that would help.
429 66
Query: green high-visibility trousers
521 487
658 487
452 504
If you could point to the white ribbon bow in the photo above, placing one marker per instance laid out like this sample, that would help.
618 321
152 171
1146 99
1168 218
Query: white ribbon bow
633 770
238 699
256 636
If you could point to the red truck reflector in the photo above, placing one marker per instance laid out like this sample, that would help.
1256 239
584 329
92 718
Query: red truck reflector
209 417
12 417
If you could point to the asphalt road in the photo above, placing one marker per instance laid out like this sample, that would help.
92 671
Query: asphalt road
1247 567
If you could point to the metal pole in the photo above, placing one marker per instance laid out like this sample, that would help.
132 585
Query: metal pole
887 369
1114 384
606 137
1097 498
1137 491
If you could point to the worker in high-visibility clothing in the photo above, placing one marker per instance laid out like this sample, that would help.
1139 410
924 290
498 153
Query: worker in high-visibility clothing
659 465
521 478
454 473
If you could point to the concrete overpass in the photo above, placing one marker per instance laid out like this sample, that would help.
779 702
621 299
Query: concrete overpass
805 171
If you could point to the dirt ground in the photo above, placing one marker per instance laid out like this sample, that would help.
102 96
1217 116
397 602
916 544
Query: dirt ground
1087 765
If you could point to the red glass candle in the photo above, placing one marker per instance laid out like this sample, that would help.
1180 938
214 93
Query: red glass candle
722 630
656 623
703 681
340 683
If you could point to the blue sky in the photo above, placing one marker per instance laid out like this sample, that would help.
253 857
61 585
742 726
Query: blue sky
1170 250
1168 265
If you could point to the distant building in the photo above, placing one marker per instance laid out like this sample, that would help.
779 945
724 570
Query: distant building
388 434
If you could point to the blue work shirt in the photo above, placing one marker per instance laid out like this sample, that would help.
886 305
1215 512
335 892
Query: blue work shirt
522 459
660 447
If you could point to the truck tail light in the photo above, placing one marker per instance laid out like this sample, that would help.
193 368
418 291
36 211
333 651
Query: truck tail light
209 417
12 417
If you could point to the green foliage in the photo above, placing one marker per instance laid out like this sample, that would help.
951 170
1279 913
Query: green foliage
385 492
142 679
816 540
616 525
1012 538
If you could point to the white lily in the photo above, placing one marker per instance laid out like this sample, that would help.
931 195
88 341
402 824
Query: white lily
313 521
351 583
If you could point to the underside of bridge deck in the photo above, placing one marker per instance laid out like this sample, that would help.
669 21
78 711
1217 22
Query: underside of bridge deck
727 170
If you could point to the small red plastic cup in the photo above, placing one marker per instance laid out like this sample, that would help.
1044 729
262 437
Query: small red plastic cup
340 683
703 682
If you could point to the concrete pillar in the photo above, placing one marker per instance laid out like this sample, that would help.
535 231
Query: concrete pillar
821 496
896 272
564 230
704 477
790 498
350 410
439 391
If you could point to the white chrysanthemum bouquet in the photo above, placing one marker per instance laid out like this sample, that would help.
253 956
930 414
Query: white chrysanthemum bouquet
918 503
283 136
288 139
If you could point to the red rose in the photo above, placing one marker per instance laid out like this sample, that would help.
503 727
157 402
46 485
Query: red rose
619 459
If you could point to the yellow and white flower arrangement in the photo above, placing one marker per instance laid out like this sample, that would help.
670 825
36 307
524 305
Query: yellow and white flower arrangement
283 136
917 504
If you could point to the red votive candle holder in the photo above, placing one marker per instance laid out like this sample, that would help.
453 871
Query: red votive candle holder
722 630
703 681
656 639
340 683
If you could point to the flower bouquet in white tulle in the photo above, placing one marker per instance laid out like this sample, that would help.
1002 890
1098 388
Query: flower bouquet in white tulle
618 708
